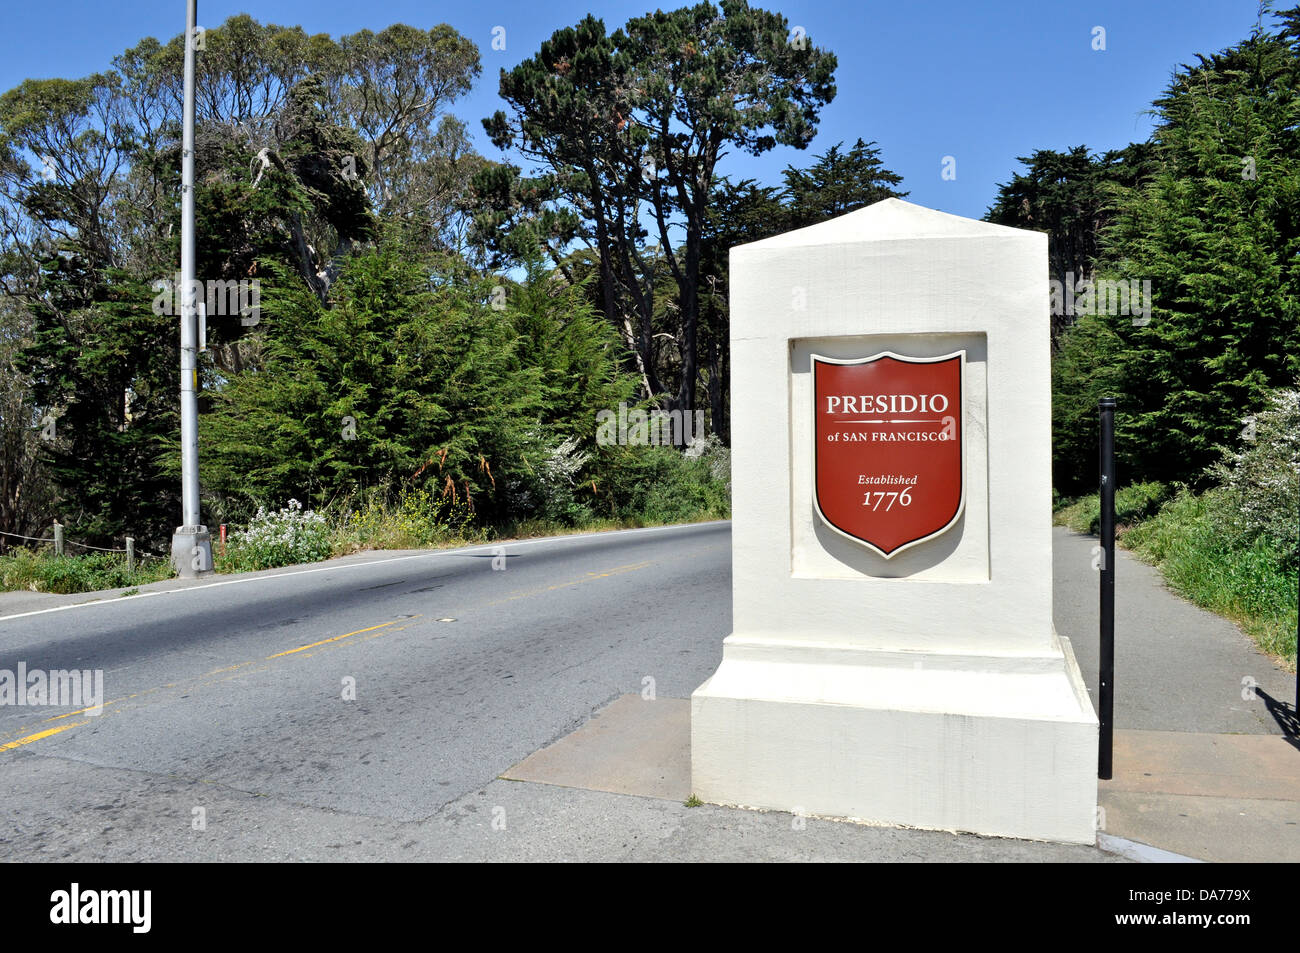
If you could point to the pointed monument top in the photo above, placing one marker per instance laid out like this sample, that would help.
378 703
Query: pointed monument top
886 220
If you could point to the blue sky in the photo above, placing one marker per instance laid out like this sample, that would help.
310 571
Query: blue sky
983 82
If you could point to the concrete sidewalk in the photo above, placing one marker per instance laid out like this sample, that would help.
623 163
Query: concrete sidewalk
1203 767
1206 759
630 768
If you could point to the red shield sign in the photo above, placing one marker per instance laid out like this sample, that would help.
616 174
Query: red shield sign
890 452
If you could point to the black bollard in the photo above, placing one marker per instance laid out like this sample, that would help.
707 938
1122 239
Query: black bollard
1106 677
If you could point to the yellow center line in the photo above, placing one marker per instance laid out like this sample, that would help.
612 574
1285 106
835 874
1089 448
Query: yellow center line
348 635
39 735
192 683
525 593
377 635
228 668
197 681
80 711
616 570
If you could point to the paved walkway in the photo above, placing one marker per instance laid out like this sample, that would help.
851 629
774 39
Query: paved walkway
1203 764
1203 768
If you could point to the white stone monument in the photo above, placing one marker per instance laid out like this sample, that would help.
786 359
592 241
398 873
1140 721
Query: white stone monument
893 658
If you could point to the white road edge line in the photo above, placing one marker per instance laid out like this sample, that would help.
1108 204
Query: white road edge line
373 562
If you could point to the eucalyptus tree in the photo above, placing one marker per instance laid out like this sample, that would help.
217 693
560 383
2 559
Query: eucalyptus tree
290 128
394 88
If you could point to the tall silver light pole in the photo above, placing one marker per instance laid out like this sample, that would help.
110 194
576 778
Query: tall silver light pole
191 543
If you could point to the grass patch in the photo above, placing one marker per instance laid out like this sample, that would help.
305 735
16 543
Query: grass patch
1132 505
417 521
528 529
653 488
1254 585
24 569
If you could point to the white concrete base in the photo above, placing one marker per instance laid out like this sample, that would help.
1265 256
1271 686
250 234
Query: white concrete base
192 552
997 745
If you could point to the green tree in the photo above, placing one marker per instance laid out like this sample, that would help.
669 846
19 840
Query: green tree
512 215
299 201
26 494
739 213
405 378
1073 196
707 79
290 131
1216 231
106 367
640 119
570 117
837 183
394 89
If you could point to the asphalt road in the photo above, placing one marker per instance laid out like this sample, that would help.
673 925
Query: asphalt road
460 669
365 708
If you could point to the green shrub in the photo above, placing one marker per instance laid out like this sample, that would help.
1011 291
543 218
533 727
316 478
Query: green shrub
418 518
655 485
45 572
555 485
1261 480
283 538
1132 504
1252 584
411 369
